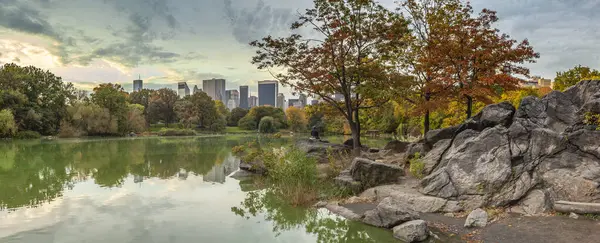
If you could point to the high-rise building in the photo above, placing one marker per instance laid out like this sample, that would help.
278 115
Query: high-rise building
338 97
281 101
196 89
138 84
215 88
233 96
227 95
244 97
302 99
252 101
267 93
295 103
314 102
182 89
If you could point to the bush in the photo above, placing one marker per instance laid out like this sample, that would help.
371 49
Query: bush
247 123
219 125
68 131
28 135
167 132
417 166
238 149
8 127
267 125
294 175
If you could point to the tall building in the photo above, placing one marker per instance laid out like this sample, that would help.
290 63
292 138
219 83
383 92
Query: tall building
232 96
302 99
244 97
182 89
267 93
138 84
338 97
281 101
196 89
215 88
227 95
295 103
235 96
314 102
252 101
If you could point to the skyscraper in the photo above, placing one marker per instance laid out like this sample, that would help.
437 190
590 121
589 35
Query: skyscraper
252 101
302 99
138 84
215 88
267 93
295 102
281 101
182 89
244 97
227 96
338 97
232 97
196 89
314 102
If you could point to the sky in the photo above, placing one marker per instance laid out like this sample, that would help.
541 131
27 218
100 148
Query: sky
88 42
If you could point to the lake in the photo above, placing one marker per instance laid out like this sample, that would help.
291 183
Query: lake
151 190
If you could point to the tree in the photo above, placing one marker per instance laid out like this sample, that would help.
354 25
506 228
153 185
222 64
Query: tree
572 76
235 115
258 112
162 106
351 57
134 119
248 123
206 109
223 111
45 97
141 97
186 112
8 128
476 58
267 125
296 119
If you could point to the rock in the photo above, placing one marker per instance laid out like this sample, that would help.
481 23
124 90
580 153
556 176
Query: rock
321 150
255 167
389 213
349 143
344 180
343 211
535 203
397 146
412 231
496 114
320 204
477 218
433 136
414 148
560 111
407 196
241 174
573 216
434 156
371 173
450 215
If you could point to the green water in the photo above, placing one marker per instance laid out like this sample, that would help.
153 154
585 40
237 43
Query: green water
150 190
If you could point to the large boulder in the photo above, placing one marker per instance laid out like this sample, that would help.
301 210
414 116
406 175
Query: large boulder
434 136
397 146
389 213
321 150
496 114
477 218
536 202
412 231
371 173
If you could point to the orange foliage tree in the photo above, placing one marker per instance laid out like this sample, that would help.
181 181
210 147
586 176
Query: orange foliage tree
477 59
352 55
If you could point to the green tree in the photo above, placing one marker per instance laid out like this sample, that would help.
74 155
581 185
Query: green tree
258 112
162 106
351 57
186 112
267 125
221 108
235 115
142 97
206 109
46 97
8 128
572 76
248 123
134 120
296 119
112 97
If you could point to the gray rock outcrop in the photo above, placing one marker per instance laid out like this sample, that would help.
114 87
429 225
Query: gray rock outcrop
502 154
389 213
412 231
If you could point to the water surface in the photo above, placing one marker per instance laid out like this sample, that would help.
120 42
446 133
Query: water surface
150 190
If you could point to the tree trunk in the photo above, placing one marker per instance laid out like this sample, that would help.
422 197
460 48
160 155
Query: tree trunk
469 106
426 117
357 143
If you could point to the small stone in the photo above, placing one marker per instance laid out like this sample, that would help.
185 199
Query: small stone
412 231
450 215
573 216
320 204
477 218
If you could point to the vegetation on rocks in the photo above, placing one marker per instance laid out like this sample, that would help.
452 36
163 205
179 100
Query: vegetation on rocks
417 167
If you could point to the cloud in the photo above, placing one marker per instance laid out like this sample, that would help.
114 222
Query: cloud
255 23
21 17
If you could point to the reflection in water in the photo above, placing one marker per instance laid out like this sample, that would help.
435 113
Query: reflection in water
326 227
35 172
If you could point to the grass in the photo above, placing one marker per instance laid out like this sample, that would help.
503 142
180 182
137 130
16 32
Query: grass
417 166
167 132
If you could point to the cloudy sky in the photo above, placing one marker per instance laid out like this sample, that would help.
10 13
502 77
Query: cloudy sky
165 41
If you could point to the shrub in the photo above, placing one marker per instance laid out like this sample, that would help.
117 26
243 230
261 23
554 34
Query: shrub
68 131
28 135
247 123
8 127
417 166
219 125
296 119
167 132
267 125
592 119
238 149
293 174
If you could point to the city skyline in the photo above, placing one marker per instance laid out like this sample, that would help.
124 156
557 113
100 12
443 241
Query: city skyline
90 42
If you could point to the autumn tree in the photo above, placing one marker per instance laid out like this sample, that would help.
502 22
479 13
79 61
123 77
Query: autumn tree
112 97
572 76
186 112
161 106
476 58
350 56
296 119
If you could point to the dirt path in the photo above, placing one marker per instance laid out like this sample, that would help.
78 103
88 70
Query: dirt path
516 229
